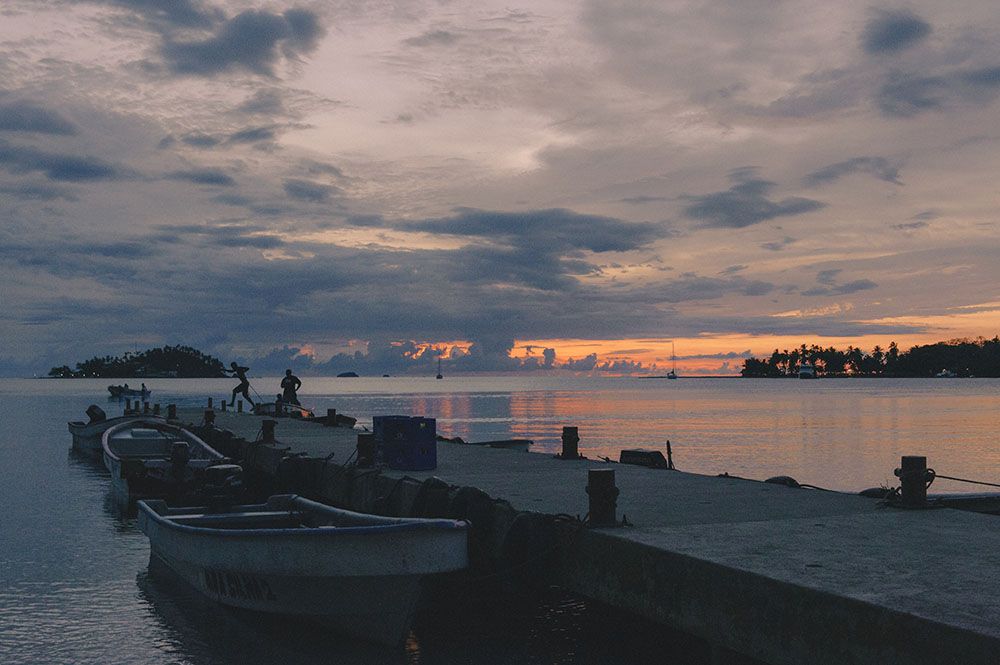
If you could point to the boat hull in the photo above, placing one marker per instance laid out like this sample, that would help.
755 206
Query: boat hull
363 581
87 436
370 608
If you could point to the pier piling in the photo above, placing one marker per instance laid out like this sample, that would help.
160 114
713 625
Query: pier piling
570 439
171 412
239 406
210 402
603 497
209 417
913 476
267 430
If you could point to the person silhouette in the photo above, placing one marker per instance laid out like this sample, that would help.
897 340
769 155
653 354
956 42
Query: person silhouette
289 385
244 385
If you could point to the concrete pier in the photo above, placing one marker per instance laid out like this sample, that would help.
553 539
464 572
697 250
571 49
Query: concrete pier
766 572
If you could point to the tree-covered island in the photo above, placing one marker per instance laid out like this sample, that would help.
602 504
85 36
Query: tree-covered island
957 357
168 361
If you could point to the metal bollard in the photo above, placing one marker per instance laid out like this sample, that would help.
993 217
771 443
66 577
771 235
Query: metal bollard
267 430
367 448
209 417
914 478
331 418
171 412
570 439
603 497
239 406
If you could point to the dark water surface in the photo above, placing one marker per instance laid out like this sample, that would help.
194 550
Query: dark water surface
74 584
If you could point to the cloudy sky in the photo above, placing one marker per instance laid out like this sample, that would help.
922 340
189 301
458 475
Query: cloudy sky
510 186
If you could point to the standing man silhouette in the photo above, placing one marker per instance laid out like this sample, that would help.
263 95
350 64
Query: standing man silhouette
289 385
242 389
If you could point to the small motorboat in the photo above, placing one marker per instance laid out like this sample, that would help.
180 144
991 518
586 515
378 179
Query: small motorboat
281 409
359 574
87 435
125 391
149 458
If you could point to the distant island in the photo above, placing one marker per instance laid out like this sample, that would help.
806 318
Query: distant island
955 358
167 362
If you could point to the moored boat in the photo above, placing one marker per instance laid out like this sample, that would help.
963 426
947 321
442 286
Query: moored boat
360 574
125 391
149 458
87 435
281 409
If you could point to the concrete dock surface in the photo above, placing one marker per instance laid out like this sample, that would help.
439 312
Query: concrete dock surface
779 574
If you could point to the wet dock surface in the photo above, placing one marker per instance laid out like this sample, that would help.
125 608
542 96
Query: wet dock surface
780 574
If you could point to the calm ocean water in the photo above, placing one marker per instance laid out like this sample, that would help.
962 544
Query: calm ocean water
74 585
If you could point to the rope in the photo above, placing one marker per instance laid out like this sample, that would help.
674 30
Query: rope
966 480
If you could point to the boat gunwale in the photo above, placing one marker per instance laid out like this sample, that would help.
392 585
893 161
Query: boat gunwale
400 524
158 424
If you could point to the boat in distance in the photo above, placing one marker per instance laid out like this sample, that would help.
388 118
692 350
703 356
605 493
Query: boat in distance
150 458
125 391
357 573
87 435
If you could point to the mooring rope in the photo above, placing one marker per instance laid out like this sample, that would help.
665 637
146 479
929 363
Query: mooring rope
966 480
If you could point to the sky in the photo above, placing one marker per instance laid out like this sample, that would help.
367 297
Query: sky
583 186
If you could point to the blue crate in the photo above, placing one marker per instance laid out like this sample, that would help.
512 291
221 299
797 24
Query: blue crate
406 443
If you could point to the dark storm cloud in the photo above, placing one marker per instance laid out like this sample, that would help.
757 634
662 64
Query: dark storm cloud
552 229
891 31
201 140
26 117
642 200
777 245
745 203
906 95
253 40
252 135
829 285
55 166
433 38
263 102
304 190
213 177
37 192
224 235
879 167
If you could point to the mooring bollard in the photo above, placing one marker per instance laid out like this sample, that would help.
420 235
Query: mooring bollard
171 412
210 402
222 405
331 418
603 497
145 407
239 406
209 417
366 450
156 409
570 439
914 477
128 405
267 430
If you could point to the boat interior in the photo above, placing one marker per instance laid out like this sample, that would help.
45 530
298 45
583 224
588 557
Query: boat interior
147 443
280 512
